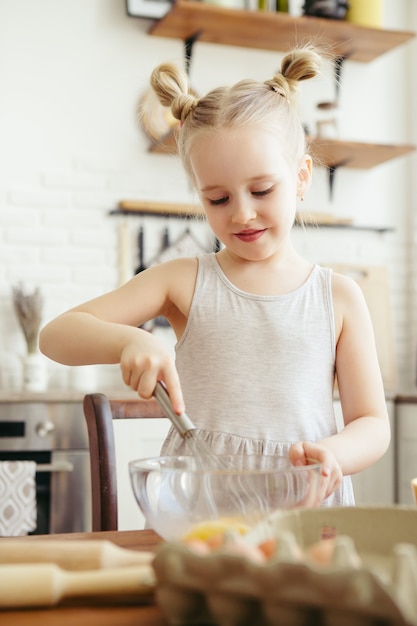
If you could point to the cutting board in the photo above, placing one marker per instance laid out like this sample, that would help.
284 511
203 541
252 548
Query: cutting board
374 282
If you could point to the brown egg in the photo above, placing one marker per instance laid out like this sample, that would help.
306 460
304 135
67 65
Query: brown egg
321 552
241 548
268 547
198 546
284 549
214 542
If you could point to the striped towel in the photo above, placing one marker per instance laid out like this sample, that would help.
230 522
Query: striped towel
17 498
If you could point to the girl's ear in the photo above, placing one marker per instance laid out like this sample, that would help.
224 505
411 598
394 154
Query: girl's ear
305 172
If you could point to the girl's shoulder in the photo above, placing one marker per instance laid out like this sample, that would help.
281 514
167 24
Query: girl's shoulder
348 299
345 287
176 270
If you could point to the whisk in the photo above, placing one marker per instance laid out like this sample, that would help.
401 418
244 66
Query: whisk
204 456
242 495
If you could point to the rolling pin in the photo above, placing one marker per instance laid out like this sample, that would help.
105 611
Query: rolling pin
46 584
72 555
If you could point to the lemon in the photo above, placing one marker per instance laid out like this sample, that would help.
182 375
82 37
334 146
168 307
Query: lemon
206 530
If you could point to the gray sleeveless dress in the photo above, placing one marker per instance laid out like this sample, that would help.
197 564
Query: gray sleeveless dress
257 372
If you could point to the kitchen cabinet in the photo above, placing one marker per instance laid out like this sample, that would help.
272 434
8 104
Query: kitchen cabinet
190 21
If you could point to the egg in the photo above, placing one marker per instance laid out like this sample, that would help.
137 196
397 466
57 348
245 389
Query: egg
213 530
283 550
214 542
197 546
268 547
321 552
252 553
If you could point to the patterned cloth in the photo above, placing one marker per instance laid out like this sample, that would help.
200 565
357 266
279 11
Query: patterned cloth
17 498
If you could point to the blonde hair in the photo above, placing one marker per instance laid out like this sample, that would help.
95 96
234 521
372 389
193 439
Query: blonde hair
270 104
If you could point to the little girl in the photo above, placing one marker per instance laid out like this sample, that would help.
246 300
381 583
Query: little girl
261 332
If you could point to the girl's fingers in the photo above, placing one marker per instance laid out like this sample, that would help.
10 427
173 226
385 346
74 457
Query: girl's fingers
304 452
297 455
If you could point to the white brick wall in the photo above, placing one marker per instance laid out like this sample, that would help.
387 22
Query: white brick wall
70 150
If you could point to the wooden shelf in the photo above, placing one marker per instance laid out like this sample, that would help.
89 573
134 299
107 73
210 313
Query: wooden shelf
274 31
353 154
280 32
327 152
193 211
374 229
158 209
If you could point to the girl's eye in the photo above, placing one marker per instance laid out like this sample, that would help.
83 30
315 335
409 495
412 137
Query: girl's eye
218 201
264 192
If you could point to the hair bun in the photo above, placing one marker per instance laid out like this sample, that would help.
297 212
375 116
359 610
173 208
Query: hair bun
182 105
300 64
281 85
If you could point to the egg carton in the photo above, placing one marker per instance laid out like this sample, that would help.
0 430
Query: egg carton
370 580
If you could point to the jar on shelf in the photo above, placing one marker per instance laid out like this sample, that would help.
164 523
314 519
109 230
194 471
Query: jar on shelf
367 13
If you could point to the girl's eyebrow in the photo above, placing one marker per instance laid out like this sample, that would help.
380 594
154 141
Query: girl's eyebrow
250 180
210 187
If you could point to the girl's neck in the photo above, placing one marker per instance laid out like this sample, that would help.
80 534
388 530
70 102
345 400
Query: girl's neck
272 276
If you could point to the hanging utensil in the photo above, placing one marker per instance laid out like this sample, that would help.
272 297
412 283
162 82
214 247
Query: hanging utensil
161 321
331 170
141 265
124 252
165 239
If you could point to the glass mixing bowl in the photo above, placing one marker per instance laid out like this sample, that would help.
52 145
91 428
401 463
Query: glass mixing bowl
175 494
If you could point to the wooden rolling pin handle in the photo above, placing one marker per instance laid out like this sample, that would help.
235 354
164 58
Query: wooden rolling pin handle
47 584
72 555
111 582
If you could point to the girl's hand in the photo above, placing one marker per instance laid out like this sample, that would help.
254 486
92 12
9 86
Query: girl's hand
145 362
305 453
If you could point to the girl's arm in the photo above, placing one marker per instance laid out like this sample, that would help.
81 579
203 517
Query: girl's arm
106 329
366 434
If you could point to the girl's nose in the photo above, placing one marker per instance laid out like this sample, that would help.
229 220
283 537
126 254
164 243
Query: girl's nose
243 212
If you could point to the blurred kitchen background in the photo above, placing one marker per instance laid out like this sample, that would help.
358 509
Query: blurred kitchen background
72 73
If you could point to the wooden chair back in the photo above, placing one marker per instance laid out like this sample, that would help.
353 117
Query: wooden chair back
99 412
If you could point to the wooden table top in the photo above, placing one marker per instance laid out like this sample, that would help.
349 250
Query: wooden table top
90 615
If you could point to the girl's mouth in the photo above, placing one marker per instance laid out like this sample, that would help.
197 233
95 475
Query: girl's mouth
249 235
